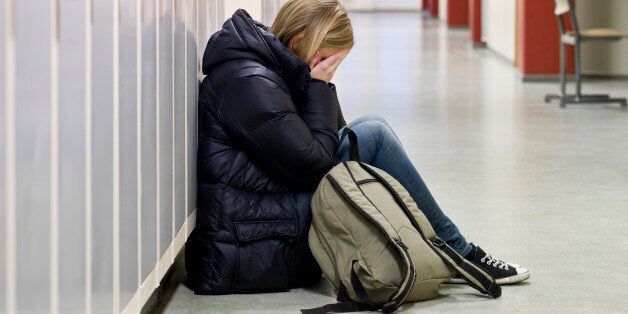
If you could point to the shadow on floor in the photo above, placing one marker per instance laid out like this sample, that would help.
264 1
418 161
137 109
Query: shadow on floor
175 277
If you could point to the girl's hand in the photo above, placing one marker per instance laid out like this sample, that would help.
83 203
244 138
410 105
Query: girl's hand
324 69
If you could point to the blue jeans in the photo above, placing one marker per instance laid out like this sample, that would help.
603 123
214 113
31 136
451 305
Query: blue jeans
380 147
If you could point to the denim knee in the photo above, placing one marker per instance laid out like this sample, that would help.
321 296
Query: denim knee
366 118
375 117
374 131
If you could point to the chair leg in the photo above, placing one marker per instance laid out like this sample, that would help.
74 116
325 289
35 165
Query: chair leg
590 99
578 97
578 71
563 78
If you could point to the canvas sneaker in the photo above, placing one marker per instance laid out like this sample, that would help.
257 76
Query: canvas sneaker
504 273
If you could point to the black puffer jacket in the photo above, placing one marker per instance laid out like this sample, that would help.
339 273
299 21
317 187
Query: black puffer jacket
267 135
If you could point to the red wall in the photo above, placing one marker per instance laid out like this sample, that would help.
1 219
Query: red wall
475 21
433 6
458 13
537 43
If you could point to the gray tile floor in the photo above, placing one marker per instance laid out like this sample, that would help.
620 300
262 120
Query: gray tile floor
531 183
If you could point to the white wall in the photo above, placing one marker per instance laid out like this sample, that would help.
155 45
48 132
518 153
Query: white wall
253 7
370 5
442 10
270 8
359 5
498 26
606 58
260 10
97 147
99 117
397 4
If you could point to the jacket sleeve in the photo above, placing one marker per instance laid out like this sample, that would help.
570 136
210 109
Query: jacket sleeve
341 119
295 146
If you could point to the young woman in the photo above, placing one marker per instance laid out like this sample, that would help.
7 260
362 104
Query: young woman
269 121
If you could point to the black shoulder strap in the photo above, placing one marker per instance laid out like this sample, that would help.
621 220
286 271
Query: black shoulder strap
345 304
354 152
473 275
342 307
404 287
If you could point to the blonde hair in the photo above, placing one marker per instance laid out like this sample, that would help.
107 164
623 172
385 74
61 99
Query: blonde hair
323 24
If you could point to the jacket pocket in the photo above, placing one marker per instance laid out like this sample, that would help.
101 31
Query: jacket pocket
265 254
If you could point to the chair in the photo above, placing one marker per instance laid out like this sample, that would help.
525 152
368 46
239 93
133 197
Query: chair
575 38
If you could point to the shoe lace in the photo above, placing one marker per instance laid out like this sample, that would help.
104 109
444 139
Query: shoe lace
488 259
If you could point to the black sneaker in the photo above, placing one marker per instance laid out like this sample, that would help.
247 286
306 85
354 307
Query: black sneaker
504 273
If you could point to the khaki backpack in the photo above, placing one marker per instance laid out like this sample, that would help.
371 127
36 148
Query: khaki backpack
375 246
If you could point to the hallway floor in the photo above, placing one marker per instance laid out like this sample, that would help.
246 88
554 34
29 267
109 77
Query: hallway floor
533 184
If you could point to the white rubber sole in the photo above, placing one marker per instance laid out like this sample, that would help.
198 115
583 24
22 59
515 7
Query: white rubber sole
513 279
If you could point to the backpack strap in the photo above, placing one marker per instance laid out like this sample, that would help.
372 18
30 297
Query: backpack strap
476 277
404 287
364 302
343 307
354 152
402 292
346 305
473 275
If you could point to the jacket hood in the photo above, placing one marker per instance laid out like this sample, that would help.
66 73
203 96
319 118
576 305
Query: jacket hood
242 37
